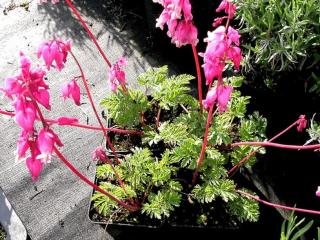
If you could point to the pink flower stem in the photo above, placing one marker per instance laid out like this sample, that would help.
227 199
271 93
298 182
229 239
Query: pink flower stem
100 122
278 205
50 121
86 180
75 11
46 125
245 159
204 146
196 59
94 108
277 145
158 118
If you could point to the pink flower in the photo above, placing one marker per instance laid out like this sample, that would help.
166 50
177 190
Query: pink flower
318 192
45 142
25 114
12 86
220 95
178 18
71 90
66 121
117 75
29 83
99 154
23 144
217 22
233 36
34 166
221 47
54 51
302 123
234 54
228 7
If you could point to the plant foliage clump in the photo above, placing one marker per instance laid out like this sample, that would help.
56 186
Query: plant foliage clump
159 180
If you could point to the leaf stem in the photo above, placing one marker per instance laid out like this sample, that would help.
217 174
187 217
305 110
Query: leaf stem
96 187
196 59
94 108
75 11
51 121
278 205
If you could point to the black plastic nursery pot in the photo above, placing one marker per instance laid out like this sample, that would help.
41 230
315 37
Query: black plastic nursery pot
268 226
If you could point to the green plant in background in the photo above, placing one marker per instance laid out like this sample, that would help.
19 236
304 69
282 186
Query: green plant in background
160 181
2 233
280 35
293 230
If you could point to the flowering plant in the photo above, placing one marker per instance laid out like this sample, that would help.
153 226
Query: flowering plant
184 146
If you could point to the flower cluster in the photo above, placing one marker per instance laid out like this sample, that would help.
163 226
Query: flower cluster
27 90
223 45
116 75
178 18
54 51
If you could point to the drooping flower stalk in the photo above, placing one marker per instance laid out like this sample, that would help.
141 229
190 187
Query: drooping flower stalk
75 11
245 159
277 145
86 180
94 108
278 205
199 78
204 145
75 124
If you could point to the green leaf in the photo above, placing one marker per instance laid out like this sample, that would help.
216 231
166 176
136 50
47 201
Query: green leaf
126 108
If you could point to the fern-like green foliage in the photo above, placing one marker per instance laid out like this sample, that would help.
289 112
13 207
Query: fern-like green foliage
208 192
244 209
161 204
126 109
167 91
160 179
105 205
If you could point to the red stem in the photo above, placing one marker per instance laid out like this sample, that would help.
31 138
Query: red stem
94 108
278 205
204 146
86 180
196 59
243 160
158 118
277 145
116 130
75 11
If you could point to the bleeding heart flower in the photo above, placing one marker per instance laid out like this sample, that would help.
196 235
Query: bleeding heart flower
117 75
45 142
25 114
54 51
99 154
302 123
177 16
71 90
228 7
34 166
220 95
